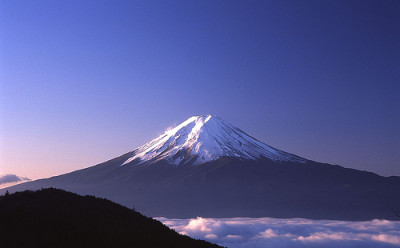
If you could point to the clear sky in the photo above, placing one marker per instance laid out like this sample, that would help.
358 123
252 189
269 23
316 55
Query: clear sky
82 82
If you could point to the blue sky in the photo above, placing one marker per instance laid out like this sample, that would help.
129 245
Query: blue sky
84 81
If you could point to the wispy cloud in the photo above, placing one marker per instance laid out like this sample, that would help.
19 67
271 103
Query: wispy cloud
299 233
11 178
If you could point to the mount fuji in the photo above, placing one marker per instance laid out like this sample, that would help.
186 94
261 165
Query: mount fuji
208 167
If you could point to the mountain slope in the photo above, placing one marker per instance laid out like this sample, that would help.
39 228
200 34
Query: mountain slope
241 177
55 218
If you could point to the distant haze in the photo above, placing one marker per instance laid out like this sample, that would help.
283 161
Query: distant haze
83 82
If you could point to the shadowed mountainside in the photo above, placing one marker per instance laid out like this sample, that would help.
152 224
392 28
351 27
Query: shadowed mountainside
234 188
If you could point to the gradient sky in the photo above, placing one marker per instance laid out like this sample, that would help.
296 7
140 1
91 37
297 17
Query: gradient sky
82 82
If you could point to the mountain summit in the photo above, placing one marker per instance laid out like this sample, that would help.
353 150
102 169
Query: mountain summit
201 139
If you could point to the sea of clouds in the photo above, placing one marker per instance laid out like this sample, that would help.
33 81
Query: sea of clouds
270 232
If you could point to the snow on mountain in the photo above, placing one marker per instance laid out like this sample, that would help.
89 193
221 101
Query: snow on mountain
201 139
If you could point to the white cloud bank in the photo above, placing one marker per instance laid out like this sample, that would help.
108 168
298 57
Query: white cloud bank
270 232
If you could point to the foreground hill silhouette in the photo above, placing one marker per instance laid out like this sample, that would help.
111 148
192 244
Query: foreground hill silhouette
56 218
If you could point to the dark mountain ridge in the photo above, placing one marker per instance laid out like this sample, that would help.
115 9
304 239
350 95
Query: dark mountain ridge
56 218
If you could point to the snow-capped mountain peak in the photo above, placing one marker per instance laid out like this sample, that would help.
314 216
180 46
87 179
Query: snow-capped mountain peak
202 139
